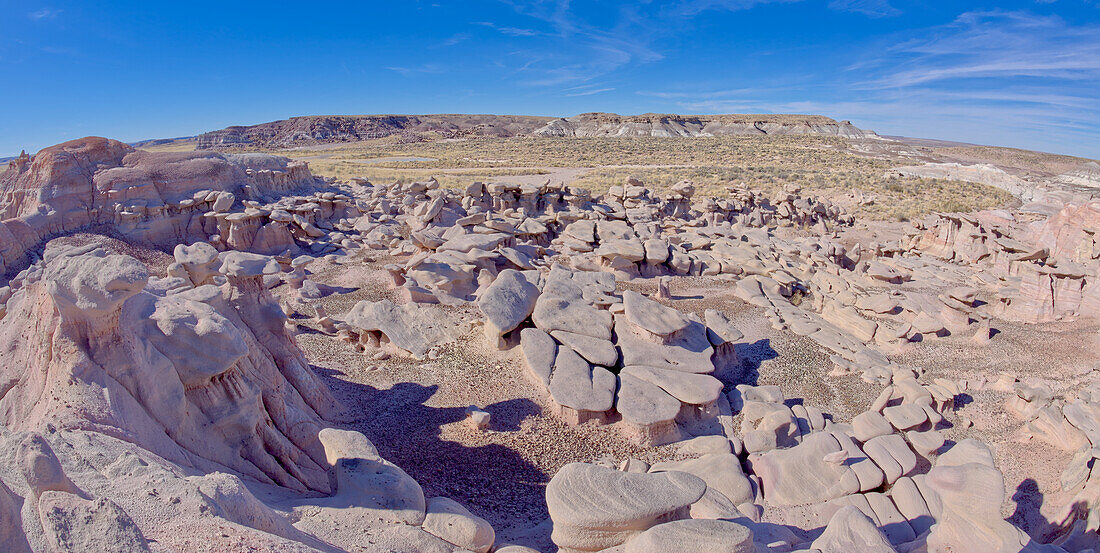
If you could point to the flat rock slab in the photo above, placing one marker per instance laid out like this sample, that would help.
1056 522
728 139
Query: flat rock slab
717 536
449 520
721 471
593 507
468 242
571 315
411 327
691 388
595 350
645 404
651 316
580 386
539 351
689 351
508 301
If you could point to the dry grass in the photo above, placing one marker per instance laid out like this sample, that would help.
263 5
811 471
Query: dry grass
819 165
346 170
795 152
174 146
896 198
1026 160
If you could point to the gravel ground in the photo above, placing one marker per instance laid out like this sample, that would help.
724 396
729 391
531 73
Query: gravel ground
414 411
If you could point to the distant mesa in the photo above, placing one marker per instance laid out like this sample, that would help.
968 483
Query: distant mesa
324 129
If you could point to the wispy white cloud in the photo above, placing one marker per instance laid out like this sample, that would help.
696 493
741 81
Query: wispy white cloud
1007 78
429 68
589 92
981 45
577 51
44 13
457 38
699 95
576 46
510 31
872 8
688 8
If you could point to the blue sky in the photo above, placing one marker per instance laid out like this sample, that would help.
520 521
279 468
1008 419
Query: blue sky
1024 74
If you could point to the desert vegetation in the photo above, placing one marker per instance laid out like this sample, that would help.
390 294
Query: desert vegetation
816 164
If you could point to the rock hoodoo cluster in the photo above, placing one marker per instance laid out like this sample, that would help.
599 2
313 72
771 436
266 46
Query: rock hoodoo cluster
243 202
162 403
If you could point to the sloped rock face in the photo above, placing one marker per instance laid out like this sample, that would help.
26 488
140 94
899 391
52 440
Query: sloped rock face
153 198
141 413
60 177
347 128
1049 268
205 377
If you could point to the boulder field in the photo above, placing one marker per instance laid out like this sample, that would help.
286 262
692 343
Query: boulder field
154 395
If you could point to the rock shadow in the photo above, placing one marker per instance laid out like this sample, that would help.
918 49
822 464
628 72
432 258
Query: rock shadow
492 480
752 355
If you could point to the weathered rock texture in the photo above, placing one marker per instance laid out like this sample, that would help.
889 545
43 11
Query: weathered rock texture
299 131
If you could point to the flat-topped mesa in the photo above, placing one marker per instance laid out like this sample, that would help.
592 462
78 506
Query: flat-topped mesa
671 125
203 376
328 129
152 198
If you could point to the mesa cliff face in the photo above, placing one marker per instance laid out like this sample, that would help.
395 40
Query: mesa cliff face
670 125
312 130
324 129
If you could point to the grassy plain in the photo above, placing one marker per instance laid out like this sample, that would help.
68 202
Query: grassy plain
818 165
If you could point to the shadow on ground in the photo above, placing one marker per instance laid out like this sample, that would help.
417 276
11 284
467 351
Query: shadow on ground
493 480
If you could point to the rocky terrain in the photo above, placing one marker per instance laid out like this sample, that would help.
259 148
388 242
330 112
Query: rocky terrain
208 351
313 130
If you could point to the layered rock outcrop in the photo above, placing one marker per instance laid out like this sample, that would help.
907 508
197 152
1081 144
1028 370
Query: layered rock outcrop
310 130
160 199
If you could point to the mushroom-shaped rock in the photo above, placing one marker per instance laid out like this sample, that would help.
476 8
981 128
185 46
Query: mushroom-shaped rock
719 536
450 521
506 303
89 283
346 444
648 411
580 387
244 264
687 351
412 327
200 260
593 507
199 341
